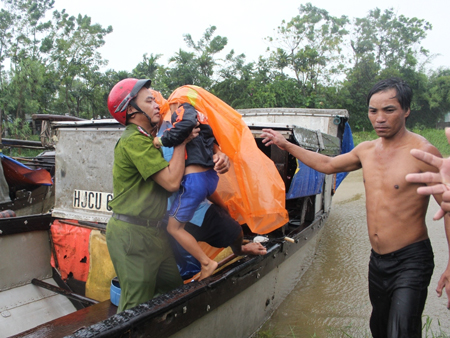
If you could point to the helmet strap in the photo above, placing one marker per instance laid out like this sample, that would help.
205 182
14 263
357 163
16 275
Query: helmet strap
135 106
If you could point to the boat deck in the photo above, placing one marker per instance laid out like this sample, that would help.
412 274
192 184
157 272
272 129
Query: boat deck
71 323
24 307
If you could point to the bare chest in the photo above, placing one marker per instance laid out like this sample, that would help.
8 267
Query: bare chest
386 171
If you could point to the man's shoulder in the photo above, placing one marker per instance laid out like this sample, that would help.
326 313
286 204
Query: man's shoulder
366 145
133 142
421 143
132 134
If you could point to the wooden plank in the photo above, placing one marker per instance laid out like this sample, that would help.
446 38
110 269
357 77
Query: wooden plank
69 324
63 292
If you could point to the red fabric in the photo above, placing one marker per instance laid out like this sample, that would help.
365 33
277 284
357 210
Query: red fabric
17 174
71 245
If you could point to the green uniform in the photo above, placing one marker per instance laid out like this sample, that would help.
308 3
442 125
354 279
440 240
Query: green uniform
141 255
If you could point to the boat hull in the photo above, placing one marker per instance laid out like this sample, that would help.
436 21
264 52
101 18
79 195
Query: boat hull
233 303
244 314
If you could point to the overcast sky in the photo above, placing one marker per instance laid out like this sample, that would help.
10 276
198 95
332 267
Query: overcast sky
149 26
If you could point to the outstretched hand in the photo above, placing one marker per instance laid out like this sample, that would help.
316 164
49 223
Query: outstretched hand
444 282
273 137
442 177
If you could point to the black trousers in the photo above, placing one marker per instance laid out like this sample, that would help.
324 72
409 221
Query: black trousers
218 228
398 284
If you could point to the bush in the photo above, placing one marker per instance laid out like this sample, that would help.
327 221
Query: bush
435 136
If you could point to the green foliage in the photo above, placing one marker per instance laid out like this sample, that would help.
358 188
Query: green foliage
147 69
55 66
75 41
390 39
198 67
309 45
429 333
385 44
54 63
18 129
361 136
264 334
435 136
437 94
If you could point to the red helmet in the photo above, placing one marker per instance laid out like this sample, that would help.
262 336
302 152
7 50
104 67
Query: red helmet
121 95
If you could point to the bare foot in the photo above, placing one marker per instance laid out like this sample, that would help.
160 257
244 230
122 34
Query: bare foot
208 270
254 249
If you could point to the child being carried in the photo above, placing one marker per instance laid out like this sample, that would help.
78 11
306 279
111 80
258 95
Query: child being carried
199 181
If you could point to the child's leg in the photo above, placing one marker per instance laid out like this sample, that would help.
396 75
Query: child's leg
189 243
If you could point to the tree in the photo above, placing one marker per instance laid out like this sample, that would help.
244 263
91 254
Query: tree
384 45
184 72
389 39
235 78
6 23
198 67
205 49
23 87
28 28
353 92
54 64
72 48
147 68
309 45
437 95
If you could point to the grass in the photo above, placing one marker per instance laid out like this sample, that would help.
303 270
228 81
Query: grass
20 152
23 152
433 334
435 136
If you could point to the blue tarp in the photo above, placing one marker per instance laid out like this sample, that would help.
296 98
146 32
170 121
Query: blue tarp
306 182
347 146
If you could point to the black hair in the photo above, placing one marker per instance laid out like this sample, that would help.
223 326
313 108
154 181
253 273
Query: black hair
404 92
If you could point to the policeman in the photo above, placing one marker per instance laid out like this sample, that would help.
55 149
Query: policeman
142 182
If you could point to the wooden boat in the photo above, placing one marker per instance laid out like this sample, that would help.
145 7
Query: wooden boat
43 299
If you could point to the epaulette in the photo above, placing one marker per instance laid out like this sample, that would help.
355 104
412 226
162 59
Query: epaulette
142 131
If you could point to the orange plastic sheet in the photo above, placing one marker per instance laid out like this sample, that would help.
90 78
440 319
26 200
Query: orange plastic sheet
71 245
18 174
252 190
163 104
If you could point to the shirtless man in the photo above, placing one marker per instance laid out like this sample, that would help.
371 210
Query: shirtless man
401 262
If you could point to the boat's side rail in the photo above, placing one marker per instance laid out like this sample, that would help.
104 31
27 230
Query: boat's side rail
167 314
23 224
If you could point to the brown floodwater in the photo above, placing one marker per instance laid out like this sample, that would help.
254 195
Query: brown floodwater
331 299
